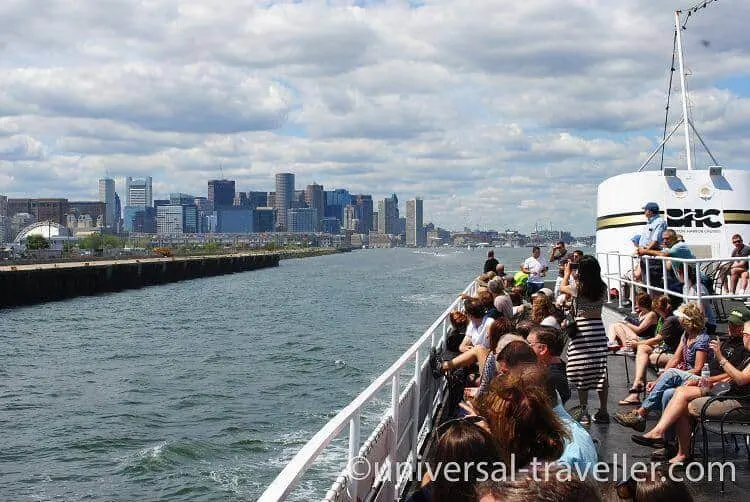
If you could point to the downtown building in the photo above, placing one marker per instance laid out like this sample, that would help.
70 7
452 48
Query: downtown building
139 215
283 199
415 232
108 196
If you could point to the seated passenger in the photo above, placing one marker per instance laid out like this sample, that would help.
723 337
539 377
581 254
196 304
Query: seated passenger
731 364
548 488
463 442
518 411
643 327
457 331
685 365
476 330
656 351
737 270
547 343
542 311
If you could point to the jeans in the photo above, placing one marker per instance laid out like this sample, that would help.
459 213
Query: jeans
664 388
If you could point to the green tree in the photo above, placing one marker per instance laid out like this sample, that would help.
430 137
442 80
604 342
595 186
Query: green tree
37 242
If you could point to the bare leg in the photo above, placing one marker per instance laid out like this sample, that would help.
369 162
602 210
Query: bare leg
603 398
734 278
621 333
641 364
684 428
676 409
743 282
583 399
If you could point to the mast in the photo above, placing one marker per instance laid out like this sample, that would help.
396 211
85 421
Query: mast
685 120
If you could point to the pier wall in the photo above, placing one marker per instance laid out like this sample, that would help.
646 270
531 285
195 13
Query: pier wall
32 284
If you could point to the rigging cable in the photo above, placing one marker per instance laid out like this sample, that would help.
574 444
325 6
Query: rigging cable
669 95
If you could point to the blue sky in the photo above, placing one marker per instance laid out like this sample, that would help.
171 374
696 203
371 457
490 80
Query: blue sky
500 112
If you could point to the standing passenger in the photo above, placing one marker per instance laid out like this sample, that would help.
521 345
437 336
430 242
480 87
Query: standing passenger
587 351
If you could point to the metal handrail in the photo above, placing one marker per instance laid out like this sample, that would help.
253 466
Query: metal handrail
686 263
288 478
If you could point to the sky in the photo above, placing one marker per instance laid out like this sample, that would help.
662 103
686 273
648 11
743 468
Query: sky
498 114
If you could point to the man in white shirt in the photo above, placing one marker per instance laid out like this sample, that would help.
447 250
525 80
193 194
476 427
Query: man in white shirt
536 266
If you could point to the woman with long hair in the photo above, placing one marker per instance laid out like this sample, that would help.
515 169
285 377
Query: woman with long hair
468 451
587 350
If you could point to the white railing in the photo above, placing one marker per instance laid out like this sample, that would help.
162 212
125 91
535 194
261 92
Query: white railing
400 408
612 271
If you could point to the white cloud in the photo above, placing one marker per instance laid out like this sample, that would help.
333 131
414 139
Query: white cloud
499 114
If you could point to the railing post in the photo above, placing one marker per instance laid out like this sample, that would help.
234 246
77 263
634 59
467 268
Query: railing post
393 450
632 284
698 281
609 295
664 274
354 432
415 425
619 281
646 260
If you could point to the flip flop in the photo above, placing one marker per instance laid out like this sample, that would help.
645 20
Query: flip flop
626 402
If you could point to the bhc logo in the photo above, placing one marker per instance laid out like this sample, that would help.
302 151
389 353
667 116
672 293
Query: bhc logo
686 218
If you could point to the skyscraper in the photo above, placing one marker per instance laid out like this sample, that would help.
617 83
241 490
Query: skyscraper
107 195
139 192
221 193
284 197
415 236
364 210
388 216
315 199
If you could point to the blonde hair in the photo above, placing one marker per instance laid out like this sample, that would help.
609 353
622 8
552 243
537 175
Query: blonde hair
694 319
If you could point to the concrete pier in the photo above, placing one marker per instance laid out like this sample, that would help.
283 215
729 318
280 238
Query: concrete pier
32 284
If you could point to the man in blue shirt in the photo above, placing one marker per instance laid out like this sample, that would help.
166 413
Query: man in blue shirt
672 248
650 240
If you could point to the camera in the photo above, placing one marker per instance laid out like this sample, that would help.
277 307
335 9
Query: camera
573 266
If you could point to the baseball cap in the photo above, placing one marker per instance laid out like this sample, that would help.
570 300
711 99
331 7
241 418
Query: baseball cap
738 315
651 206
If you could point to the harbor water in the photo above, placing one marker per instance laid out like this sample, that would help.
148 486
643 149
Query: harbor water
204 389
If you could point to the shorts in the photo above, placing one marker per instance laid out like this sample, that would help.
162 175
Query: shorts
715 409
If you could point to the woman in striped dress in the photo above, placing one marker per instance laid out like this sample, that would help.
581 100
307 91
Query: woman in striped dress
587 350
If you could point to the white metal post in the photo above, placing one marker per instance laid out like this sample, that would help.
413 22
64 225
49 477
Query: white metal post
393 450
681 60
619 277
648 275
354 433
415 410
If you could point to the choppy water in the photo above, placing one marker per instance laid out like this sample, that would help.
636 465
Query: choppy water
203 390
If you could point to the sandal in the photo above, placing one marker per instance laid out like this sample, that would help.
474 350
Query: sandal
626 401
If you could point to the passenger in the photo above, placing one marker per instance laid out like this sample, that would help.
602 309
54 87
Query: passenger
547 488
516 297
559 254
542 311
504 305
457 331
690 288
465 443
657 350
500 272
651 239
479 354
738 269
476 330
536 267
673 248
491 263
657 485
547 343
730 364
487 300
519 413
685 365
587 351
641 327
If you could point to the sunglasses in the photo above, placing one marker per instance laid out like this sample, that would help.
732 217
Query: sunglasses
471 419
626 489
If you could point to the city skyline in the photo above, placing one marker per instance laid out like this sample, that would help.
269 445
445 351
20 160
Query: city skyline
484 111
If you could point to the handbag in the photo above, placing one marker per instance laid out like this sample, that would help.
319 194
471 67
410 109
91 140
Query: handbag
570 326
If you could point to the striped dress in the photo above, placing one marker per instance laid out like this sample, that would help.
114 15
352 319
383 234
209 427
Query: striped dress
587 352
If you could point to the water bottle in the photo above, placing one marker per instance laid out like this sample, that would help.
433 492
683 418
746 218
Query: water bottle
705 374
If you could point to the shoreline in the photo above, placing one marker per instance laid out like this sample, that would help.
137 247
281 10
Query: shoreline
36 283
